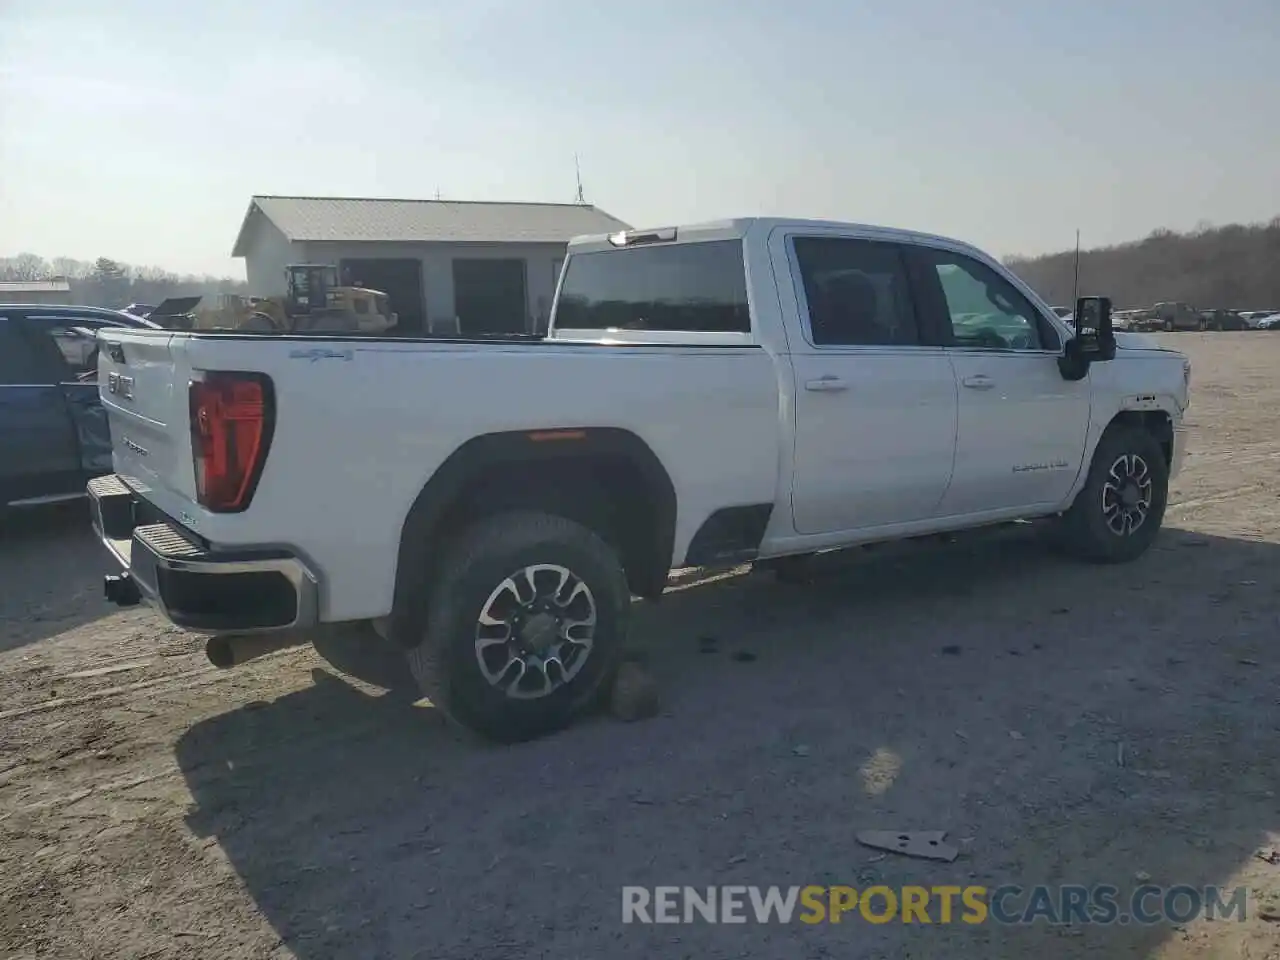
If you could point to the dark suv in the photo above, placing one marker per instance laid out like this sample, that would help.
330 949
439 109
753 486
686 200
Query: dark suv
53 430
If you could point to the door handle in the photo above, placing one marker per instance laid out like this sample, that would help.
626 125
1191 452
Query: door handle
827 384
978 382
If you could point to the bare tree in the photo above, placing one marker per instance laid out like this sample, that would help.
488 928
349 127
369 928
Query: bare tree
110 283
25 266
1230 267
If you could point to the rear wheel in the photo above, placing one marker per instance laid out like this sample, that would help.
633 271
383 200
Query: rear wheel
1116 516
524 626
1168 326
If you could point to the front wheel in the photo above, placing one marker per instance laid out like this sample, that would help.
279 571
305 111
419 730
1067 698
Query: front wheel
525 625
1117 514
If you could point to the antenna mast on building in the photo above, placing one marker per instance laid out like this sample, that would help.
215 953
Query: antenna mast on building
437 193
577 172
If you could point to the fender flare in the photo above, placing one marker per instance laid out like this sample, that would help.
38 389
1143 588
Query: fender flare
481 454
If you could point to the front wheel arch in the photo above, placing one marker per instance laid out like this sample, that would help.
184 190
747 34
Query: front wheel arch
1083 531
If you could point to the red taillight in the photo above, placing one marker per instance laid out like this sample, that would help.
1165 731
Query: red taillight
232 416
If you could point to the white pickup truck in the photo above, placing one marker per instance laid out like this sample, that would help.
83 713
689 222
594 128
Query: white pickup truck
705 395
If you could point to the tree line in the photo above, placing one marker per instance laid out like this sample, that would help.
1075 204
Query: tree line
1234 267
108 283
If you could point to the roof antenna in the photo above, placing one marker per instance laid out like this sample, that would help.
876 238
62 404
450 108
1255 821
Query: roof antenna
577 172
437 193
1075 284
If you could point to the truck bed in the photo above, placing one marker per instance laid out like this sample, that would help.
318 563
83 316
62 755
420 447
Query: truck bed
363 420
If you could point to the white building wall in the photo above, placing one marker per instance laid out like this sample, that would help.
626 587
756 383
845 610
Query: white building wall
35 296
542 261
269 253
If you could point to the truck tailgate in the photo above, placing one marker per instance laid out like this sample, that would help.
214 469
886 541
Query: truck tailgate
143 385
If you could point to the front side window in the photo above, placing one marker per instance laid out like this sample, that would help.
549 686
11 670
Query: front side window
857 292
77 344
688 287
986 310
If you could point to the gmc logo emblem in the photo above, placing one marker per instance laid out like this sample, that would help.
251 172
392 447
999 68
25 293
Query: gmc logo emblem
120 386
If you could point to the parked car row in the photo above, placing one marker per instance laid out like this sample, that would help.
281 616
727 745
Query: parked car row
53 431
1177 315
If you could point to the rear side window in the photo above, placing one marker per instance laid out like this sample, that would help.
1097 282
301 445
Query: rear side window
18 363
857 292
691 287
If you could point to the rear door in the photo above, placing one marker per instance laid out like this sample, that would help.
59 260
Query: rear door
39 456
875 398
1022 427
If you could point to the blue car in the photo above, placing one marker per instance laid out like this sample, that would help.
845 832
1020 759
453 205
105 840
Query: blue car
53 430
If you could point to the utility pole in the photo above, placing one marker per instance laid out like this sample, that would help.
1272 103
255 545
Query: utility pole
1075 285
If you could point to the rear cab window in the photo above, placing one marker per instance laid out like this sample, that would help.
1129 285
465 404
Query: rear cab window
697 287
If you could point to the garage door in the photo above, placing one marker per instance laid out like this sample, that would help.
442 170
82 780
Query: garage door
400 280
489 296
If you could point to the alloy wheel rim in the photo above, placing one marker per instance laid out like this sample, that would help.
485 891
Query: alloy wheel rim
1126 495
536 630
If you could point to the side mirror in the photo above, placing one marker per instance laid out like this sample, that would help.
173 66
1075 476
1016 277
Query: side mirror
1095 340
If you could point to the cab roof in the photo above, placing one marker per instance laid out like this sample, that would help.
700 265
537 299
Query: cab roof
739 227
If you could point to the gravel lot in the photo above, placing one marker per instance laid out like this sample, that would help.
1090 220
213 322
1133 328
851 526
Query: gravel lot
301 806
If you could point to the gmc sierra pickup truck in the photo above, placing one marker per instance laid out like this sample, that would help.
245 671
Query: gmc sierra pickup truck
705 395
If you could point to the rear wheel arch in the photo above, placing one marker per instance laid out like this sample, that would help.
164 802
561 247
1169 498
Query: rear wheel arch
606 478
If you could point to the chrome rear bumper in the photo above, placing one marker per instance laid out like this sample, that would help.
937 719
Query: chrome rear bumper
196 585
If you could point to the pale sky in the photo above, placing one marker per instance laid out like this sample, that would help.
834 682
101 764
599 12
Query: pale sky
138 129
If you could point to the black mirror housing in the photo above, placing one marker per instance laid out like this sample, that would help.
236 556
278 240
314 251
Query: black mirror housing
1095 339
1092 322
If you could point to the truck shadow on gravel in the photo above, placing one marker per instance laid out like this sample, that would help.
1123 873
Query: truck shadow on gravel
1065 724
51 566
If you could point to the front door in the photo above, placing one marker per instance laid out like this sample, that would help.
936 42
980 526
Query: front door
875 407
39 454
1022 427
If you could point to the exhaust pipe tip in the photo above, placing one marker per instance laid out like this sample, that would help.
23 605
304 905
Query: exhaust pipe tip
219 652
231 650
121 590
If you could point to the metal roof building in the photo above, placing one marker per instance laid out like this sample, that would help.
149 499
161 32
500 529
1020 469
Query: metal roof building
486 267
56 290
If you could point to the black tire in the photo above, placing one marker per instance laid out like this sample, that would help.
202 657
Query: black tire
1084 531
1168 326
445 661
